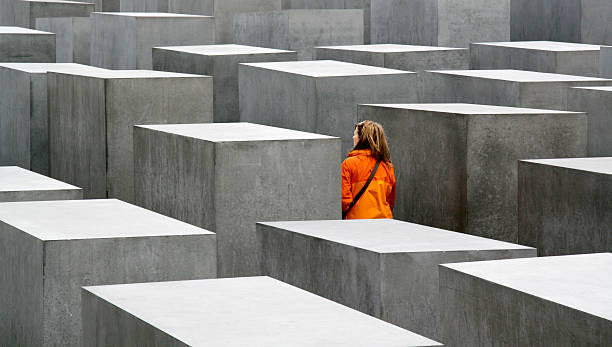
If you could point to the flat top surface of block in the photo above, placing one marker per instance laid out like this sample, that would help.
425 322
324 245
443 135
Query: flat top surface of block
327 68
16 179
251 311
228 49
600 164
118 74
393 48
582 282
603 89
234 132
46 67
473 109
90 219
392 236
19 30
151 15
520 76
545 45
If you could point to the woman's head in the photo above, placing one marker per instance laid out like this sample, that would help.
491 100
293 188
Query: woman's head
371 135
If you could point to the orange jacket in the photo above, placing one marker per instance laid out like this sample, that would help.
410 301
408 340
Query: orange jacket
378 200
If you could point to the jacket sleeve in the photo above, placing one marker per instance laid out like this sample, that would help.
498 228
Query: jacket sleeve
391 196
347 194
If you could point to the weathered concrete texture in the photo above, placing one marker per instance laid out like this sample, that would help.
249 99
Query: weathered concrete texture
48 250
125 40
401 57
543 56
72 37
605 62
23 13
249 311
225 177
24 117
221 62
319 96
17 184
548 301
92 115
456 164
597 103
26 45
516 88
299 30
564 205
382 267
440 23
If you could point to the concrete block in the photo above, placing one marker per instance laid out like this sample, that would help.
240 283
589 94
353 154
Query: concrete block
548 301
597 103
248 311
564 205
382 267
26 45
440 23
299 30
400 57
456 164
92 115
24 116
605 62
124 40
23 13
48 250
543 56
225 177
71 37
319 96
17 184
516 88
221 62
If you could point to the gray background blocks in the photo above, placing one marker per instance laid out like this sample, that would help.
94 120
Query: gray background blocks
544 56
440 22
605 62
548 301
385 268
92 115
17 184
597 103
125 40
299 30
221 62
24 13
72 37
255 311
564 205
319 96
23 45
457 164
48 250
225 177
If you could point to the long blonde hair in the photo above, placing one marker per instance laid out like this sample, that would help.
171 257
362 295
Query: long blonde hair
372 136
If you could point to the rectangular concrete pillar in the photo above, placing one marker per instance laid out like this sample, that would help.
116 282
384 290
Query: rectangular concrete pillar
21 45
564 205
124 40
382 267
299 30
597 103
248 311
605 62
92 115
319 96
221 62
456 164
24 13
72 37
50 249
225 177
17 184
547 301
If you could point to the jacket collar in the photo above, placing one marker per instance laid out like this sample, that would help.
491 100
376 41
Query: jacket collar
360 152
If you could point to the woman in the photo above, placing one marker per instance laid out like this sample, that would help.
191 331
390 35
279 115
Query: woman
370 152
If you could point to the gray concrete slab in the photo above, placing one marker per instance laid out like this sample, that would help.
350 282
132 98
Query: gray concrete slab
71 37
124 40
543 56
382 267
605 62
299 30
564 205
24 117
440 23
254 311
319 96
548 301
48 250
23 13
597 103
22 45
516 88
221 62
92 115
456 164
244 173
18 184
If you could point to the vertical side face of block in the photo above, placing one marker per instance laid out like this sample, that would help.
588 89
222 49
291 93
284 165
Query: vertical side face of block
113 41
428 60
496 57
350 56
597 104
27 48
550 95
578 63
81 28
175 61
224 12
39 124
547 20
460 23
144 6
269 29
58 9
596 24
200 7
605 62
62 27
410 22
15 110
439 87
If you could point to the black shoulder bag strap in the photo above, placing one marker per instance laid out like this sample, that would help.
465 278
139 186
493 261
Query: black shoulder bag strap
363 189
